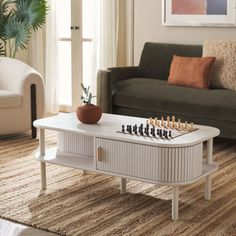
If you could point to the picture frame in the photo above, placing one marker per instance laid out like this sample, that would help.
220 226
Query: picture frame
180 15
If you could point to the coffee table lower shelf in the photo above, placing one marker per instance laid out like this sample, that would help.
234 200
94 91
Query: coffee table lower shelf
54 156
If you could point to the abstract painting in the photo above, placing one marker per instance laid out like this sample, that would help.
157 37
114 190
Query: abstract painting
199 12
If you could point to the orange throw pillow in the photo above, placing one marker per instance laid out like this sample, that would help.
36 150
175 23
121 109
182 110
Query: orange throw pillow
191 71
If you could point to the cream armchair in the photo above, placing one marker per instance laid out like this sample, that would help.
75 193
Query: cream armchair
21 96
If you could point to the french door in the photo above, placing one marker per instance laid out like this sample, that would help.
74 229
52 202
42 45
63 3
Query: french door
75 20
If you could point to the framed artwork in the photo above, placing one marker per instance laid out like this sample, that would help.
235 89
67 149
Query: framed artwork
199 12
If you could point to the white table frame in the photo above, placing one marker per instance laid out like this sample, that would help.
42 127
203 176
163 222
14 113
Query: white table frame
175 186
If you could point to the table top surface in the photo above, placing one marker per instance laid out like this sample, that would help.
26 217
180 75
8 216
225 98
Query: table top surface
109 124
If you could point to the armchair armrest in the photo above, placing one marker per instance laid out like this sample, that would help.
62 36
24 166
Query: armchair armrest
105 81
16 76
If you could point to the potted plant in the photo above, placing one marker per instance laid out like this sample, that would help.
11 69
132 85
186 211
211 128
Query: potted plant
18 18
88 113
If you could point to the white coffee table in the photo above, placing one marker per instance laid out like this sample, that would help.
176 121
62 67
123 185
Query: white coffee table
100 148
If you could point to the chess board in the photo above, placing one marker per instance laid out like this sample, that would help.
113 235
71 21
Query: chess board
154 128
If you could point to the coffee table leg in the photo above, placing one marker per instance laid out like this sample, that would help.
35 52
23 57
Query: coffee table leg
43 176
175 203
42 153
123 186
209 161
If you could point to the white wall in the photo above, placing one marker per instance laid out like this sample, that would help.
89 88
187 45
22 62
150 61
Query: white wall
148 27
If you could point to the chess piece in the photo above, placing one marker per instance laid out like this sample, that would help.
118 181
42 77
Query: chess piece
135 127
179 124
160 133
166 135
153 132
186 125
123 128
170 135
168 121
191 126
130 129
162 121
146 131
156 121
150 121
173 121
139 129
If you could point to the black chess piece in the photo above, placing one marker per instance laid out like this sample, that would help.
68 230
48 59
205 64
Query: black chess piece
123 128
140 129
129 129
166 135
153 131
135 129
160 133
170 135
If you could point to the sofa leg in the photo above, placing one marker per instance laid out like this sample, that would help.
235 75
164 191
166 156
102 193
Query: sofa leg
33 109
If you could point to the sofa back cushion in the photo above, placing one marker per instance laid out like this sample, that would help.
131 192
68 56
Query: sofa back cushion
224 69
156 58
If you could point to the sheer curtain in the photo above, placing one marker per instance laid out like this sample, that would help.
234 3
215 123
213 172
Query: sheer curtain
105 29
113 35
111 45
44 58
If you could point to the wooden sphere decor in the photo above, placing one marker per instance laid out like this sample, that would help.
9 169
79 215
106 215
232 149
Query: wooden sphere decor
89 113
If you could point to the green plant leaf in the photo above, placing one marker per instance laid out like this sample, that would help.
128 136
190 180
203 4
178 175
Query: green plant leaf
2 49
33 12
18 31
90 98
84 89
4 16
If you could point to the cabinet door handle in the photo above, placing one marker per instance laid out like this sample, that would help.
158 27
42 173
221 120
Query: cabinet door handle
99 153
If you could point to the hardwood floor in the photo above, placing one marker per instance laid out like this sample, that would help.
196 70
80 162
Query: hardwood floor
8 228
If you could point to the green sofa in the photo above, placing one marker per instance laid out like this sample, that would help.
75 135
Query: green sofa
143 91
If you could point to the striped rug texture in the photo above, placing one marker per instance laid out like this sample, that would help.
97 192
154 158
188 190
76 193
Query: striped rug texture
76 204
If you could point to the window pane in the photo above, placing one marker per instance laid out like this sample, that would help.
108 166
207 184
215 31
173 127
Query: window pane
87 63
88 18
65 94
64 18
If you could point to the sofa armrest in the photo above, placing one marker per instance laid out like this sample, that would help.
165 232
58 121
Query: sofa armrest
122 73
105 81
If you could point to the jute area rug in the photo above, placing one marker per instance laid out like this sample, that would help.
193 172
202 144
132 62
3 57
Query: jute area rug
74 204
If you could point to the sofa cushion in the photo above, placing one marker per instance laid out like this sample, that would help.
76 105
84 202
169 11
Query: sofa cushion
9 99
191 71
224 69
156 95
156 58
